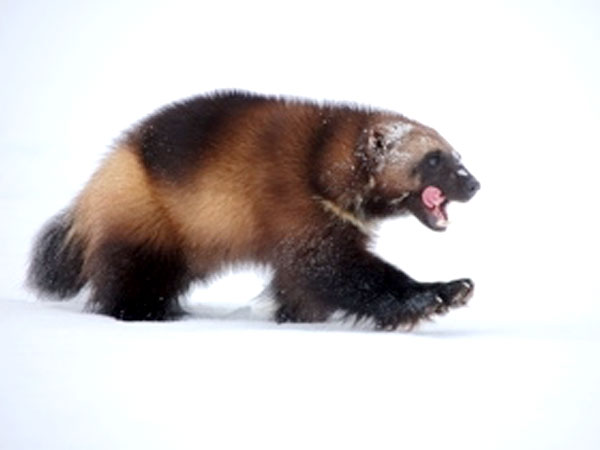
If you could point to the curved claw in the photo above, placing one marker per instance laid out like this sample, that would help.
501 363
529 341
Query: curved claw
457 293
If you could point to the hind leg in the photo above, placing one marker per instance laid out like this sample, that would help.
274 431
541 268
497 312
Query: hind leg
135 282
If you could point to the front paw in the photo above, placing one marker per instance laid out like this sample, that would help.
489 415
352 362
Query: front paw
421 302
453 294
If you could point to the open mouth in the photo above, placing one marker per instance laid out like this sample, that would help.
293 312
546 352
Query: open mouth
434 208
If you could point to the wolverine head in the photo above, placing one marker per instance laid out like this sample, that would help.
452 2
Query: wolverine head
412 168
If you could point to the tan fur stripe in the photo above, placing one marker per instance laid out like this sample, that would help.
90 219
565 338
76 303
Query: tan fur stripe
346 216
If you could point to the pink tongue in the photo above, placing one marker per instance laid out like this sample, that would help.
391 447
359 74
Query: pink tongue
432 197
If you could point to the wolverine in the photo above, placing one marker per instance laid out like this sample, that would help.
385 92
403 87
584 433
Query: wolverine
238 178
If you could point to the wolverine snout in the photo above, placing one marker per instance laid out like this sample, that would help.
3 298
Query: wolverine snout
467 184
471 187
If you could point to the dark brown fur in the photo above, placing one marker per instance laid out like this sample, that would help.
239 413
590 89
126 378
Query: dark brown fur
233 178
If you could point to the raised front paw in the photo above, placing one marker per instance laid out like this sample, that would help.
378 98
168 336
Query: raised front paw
452 294
421 302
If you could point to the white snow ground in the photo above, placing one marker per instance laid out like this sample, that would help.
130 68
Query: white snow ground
512 85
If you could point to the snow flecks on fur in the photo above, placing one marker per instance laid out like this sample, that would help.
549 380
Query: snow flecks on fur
398 130
397 157
392 136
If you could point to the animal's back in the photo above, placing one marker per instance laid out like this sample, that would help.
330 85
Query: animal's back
234 173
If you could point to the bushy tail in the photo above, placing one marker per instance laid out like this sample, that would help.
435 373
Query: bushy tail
57 259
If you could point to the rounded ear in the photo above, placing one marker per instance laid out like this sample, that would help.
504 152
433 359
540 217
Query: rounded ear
384 136
376 142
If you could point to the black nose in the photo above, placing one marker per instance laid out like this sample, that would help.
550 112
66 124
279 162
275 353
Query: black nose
472 186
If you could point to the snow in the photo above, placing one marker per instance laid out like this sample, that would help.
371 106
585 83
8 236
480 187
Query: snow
83 381
396 132
516 369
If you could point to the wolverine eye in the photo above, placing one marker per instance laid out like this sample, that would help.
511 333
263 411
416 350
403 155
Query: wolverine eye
434 158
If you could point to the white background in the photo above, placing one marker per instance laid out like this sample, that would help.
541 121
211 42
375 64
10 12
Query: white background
512 85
